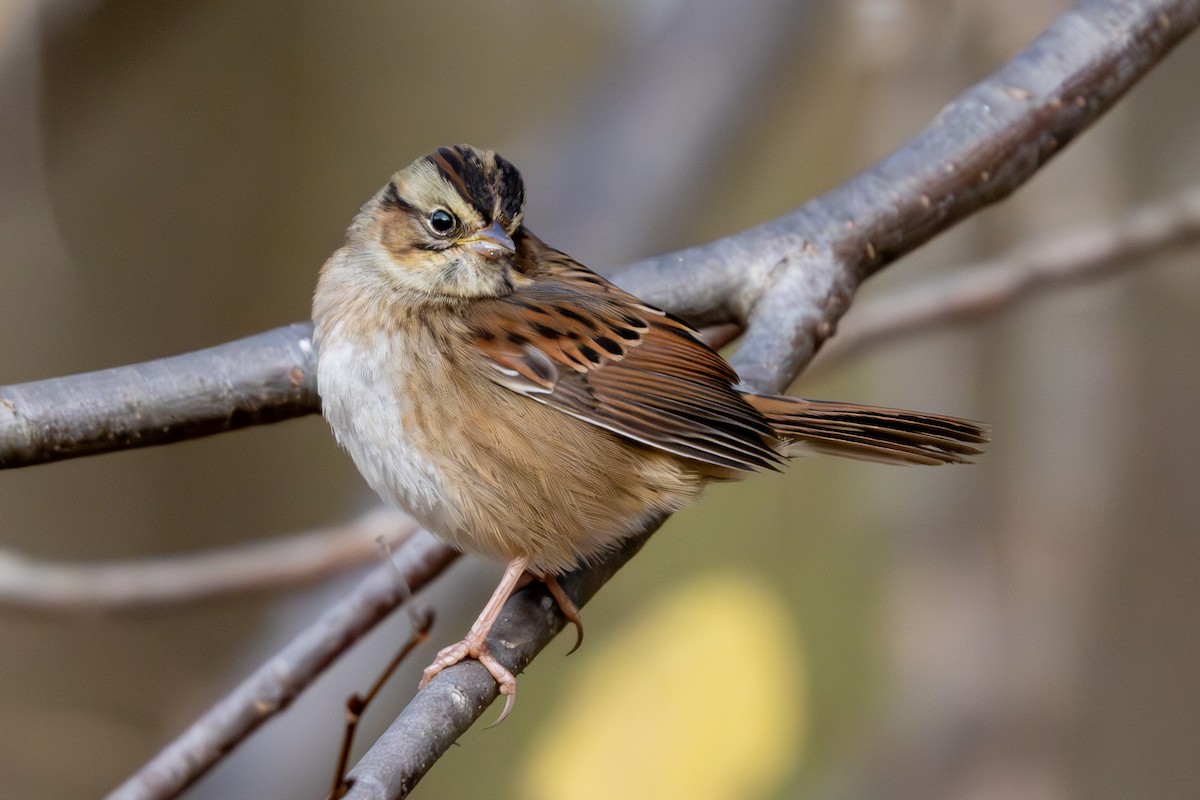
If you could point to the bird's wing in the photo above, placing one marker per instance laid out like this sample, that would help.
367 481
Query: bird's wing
573 341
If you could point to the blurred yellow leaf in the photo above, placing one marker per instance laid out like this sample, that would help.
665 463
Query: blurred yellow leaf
702 698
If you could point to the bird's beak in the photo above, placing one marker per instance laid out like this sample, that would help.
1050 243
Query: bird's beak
491 243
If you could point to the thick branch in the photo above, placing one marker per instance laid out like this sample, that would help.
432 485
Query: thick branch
263 378
1067 259
793 278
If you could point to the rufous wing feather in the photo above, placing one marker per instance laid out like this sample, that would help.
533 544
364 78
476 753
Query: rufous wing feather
575 342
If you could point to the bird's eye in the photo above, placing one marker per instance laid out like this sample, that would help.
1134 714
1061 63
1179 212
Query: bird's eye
442 221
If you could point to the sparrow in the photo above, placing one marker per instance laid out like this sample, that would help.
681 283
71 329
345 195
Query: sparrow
524 408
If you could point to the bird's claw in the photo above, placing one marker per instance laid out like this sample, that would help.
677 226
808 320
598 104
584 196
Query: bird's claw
467 648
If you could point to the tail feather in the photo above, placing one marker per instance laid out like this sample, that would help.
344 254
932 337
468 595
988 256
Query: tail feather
868 433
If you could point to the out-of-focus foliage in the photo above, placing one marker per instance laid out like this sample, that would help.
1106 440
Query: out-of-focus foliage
714 673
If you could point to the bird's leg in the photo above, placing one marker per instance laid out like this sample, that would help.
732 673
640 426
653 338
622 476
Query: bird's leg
475 643
567 606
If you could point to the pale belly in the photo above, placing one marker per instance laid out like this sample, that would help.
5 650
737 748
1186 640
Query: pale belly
367 415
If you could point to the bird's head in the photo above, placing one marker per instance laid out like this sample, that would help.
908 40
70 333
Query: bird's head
443 227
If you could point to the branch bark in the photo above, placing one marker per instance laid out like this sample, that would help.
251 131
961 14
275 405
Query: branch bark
791 279
1067 259
263 378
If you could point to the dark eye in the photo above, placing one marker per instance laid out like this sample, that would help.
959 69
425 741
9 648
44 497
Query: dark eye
442 221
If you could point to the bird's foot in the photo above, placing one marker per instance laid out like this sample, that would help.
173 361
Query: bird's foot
476 648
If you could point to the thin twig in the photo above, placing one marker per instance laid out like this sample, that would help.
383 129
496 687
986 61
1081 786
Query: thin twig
357 704
277 682
152 583
452 701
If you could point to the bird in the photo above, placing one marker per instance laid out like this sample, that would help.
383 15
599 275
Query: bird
526 409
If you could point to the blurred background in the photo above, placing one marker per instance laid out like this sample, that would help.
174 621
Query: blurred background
172 175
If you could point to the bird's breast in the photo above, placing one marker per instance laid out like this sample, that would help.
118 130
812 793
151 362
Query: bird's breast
369 399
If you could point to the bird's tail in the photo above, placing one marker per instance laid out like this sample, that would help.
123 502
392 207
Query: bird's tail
867 433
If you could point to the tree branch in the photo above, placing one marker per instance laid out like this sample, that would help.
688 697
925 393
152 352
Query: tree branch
263 378
444 709
1067 259
135 586
792 278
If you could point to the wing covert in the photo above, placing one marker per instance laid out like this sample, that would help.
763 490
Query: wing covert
573 341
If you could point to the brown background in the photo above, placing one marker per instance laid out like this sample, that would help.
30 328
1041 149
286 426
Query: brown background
172 175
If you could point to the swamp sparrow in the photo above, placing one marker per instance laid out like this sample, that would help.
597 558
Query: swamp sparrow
524 408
